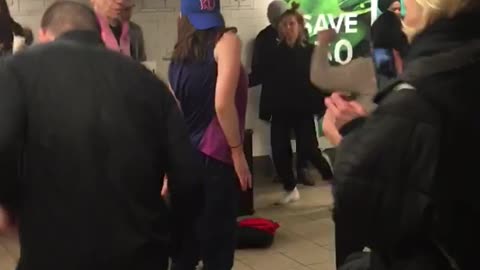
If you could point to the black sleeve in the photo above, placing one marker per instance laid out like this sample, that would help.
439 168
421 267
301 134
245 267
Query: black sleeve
352 125
183 170
141 46
11 134
258 62
379 166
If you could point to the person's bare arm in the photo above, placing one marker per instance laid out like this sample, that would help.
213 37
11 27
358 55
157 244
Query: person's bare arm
227 54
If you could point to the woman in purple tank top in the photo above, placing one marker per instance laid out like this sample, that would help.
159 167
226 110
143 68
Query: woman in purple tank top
210 84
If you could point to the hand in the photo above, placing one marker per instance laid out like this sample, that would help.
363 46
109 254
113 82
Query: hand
329 129
326 36
339 112
165 187
241 168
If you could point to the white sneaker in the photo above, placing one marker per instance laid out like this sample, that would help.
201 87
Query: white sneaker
289 197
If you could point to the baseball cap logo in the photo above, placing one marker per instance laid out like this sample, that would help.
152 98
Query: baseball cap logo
207 5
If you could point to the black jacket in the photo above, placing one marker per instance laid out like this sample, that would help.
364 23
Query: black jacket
98 132
404 180
262 60
290 77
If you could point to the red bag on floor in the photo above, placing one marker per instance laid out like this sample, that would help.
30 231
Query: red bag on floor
256 233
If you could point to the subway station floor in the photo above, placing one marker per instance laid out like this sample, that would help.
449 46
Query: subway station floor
304 240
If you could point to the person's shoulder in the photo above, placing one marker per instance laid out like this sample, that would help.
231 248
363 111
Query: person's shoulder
228 40
230 37
267 31
405 101
28 57
134 26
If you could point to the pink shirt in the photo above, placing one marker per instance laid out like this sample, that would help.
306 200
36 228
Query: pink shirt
109 39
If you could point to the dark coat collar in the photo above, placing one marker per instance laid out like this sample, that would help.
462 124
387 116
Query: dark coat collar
84 37
445 35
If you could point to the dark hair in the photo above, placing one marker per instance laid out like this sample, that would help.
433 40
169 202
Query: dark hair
4 10
384 5
28 34
6 32
65 16
192 44
293 11
387 33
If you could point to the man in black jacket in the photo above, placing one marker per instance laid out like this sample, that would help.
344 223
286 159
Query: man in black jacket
97 132
265 43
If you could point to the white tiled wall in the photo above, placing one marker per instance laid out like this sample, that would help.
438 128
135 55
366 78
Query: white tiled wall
158 19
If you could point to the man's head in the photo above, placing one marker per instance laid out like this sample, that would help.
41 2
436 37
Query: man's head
66 16
390 5
112 9
275 10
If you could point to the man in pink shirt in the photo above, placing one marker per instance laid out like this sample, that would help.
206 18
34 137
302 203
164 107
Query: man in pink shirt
115 31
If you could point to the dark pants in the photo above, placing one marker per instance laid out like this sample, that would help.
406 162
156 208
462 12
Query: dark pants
213 242
300 162
303 126
347 242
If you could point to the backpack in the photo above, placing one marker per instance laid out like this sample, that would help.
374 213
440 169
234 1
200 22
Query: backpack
256 233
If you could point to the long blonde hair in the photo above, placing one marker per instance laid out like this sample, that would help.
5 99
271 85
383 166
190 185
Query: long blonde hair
434 10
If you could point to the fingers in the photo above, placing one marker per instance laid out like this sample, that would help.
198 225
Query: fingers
245 181
344 109
332 107
358 108
243 184
164 191
338 107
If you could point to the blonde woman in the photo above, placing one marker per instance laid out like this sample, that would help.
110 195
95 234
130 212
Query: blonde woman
403 179
294 106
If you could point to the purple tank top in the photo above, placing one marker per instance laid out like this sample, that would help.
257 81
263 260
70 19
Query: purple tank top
214 142
194 85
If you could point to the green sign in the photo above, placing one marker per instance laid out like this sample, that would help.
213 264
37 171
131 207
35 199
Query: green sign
349 18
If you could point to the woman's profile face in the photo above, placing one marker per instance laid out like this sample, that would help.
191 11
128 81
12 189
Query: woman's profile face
396 8
289 29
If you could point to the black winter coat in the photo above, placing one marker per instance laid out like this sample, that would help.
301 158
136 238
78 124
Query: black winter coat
262 60
98 132
405 178
290 77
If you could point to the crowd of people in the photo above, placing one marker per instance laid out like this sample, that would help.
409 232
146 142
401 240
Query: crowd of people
88 136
